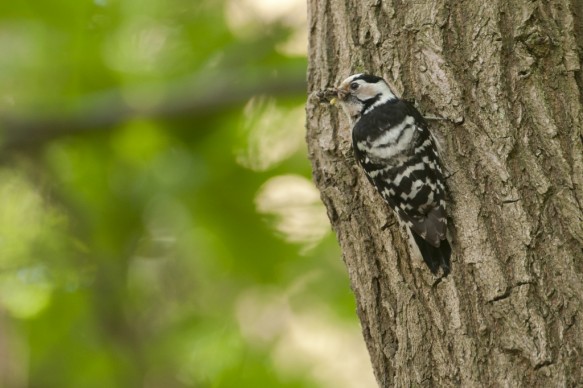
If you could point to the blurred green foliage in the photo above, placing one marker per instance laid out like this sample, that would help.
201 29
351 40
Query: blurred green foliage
158 226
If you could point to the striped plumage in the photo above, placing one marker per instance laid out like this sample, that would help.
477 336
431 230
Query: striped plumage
393 145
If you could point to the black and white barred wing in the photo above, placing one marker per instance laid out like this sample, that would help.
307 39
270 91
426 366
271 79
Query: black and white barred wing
402 163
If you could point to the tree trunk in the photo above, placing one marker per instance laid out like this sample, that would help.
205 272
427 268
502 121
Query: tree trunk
506 78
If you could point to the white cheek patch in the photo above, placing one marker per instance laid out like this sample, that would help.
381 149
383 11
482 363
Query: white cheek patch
366 92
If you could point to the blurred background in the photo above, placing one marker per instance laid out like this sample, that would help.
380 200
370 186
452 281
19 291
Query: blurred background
158 223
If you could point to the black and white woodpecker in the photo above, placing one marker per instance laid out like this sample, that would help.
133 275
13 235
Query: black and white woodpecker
392 143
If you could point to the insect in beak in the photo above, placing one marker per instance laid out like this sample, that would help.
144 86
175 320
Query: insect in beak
341 95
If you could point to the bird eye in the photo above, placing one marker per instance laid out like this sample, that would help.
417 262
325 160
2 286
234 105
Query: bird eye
354 85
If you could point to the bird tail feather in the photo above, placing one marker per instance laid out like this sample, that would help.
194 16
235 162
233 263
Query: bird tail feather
434 257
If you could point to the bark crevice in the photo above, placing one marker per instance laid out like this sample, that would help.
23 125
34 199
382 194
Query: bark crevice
507 80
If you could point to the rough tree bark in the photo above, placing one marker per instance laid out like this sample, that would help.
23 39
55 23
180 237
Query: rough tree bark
506 76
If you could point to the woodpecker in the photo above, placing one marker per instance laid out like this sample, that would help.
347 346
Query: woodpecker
393 145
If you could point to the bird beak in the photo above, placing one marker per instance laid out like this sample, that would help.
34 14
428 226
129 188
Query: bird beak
342 93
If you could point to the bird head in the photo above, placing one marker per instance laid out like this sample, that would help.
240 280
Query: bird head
360 92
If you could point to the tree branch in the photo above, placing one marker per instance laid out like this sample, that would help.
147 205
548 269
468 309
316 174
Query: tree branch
187 98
